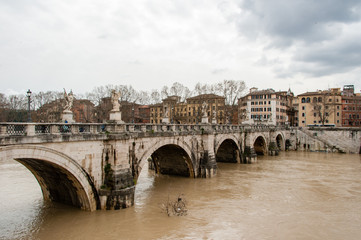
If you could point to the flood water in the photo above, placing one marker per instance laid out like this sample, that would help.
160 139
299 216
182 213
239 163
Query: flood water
295 195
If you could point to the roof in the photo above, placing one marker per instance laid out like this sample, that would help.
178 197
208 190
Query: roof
205 96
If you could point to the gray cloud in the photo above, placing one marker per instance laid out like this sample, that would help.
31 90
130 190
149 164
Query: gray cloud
319 37
293 21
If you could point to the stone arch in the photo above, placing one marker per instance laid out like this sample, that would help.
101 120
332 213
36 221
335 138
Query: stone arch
60 177
228 150
260 145
280 141
225 137
180 147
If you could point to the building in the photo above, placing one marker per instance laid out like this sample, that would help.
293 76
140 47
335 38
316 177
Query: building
215 108
189 112
322 107
156 113
265 106
351 107
83 111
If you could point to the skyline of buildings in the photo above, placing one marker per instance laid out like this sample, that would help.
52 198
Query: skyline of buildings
331 107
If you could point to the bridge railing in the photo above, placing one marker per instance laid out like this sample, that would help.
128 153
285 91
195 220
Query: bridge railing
33 129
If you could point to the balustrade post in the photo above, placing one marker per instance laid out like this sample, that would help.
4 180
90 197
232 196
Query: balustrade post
30 130
74 129
154 128
54 129
3 131
93 129
173 128
164 128
131 128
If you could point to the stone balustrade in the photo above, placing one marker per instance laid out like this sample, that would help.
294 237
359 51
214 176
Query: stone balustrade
33 129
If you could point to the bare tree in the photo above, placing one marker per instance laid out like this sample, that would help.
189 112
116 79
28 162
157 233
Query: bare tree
17 102
155 97
180 90
143 97
3 101
98 94
232 90
322 110
42 98
165 92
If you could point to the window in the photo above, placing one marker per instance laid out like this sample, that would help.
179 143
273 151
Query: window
308 100
303 100
303 114
303 107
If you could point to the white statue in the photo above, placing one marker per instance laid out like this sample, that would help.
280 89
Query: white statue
165 112
69 98
115 100
204 109
214 115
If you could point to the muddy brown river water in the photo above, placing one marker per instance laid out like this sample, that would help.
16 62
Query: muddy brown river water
297 195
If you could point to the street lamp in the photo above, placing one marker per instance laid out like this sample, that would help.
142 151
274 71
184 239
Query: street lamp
28 94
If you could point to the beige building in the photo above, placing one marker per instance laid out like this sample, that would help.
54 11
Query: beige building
215 108
156 113
323 107
265 106
189 112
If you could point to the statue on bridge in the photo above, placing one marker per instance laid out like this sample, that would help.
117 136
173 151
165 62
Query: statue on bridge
69 98
67 114
166 114
204 109
204 113
115 114
115 100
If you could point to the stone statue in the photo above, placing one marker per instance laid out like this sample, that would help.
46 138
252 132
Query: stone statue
214 115
115 100
245 115
204 109
165 112
69 98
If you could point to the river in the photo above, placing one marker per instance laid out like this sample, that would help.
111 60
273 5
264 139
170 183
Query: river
297 195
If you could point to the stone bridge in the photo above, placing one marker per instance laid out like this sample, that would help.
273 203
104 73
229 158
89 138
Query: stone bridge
96 166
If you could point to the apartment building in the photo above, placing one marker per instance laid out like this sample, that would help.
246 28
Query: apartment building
351 107
265 106
320 108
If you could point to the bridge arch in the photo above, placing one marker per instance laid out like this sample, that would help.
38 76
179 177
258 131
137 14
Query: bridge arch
260 145
180 163
280 141
61 178
227 149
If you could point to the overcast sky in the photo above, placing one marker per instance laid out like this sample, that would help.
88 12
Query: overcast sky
80 44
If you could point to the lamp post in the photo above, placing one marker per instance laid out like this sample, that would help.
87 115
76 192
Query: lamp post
28 94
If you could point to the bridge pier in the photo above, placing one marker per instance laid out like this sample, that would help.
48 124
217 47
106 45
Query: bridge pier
207 163
249 155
